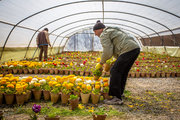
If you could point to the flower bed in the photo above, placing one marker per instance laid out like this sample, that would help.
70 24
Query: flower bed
79 63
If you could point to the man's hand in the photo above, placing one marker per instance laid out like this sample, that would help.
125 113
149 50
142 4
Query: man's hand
98 66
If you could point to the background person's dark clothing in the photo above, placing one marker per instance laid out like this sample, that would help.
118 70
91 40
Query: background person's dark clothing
119 72
43 48
42 42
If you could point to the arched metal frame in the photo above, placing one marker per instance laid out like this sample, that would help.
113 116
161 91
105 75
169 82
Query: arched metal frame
155 32
77 31
106 23
94 12
84 2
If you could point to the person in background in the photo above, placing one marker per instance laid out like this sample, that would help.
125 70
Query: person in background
43 42
125 49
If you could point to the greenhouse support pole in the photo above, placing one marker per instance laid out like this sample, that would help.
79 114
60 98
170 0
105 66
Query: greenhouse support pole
103 9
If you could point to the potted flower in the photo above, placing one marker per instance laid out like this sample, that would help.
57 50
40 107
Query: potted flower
20 93
97 73
9 94
99 114
55 93
77 90
36 109
36 89
105 89
52 116
74 101
85 93
95 95
45 89
66 91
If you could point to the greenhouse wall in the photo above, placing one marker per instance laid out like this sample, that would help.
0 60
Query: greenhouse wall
170 50
165 40
18 53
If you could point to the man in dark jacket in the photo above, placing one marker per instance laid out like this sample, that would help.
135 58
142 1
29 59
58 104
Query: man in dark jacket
125 49
43 42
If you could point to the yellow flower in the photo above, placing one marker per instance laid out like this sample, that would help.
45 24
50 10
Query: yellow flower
80 106
130 106
54 83
91 111
50 83
70 85
89 87
7 82
2 87
71 64
83 86
37 84
80 83
58 85
64 84
98 59
97 86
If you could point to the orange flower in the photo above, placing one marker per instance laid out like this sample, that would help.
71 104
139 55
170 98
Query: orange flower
105 79
83 86
29 79
10 85
106 84
14 83
3 82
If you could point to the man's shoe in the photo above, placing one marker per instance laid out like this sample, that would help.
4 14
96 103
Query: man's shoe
114 101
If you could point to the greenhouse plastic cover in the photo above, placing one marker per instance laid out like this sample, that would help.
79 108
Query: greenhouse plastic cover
21 20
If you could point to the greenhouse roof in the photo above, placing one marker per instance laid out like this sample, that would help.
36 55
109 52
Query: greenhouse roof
21 20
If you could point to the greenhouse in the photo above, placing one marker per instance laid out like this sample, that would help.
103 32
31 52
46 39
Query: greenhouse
89 59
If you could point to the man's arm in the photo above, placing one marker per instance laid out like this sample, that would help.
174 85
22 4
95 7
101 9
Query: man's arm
107 48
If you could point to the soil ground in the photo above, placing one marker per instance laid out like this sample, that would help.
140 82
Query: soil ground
146 99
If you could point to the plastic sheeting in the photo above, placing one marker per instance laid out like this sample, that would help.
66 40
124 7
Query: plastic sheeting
172 51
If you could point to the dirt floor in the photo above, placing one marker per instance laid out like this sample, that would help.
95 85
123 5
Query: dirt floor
147 99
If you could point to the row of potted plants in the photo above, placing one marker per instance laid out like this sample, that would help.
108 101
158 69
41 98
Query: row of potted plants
76 63
53 88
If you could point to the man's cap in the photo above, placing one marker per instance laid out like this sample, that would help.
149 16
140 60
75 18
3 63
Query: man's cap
98 25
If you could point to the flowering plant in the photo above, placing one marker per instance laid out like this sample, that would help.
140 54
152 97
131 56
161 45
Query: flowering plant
36 109
35 84
67 87
86 89
97 72
10 89
96 89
